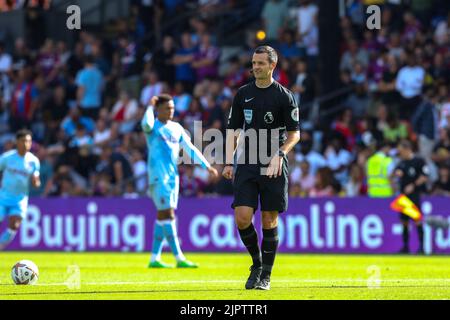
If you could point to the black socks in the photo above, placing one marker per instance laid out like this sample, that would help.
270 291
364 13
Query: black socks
250 239
269 249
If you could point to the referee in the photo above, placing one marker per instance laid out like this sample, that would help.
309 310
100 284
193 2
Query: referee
264 119
412 172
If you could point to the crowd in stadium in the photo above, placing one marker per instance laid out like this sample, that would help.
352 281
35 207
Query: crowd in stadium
84 104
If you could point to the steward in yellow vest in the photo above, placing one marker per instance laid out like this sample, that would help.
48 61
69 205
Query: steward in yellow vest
378 172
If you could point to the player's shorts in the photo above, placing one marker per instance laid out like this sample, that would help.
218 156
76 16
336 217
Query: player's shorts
165 195
17 209
249 183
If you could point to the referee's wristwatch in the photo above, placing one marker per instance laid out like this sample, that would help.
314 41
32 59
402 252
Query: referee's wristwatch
281 153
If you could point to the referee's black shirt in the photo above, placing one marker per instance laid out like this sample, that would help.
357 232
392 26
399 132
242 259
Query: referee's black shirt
412 169
268 108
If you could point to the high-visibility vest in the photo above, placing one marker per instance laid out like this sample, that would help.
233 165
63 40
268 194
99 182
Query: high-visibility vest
378 185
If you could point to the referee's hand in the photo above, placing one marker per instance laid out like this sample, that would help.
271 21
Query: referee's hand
227 172
275 168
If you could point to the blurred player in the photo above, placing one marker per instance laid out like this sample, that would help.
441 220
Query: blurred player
413 173
164 139
267 107
18 167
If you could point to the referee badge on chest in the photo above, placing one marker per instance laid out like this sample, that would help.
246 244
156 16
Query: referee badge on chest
248 114
268 118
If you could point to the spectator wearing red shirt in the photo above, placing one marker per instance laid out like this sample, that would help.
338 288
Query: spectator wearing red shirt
24 100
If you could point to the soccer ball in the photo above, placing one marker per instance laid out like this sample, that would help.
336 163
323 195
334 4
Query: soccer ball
25 272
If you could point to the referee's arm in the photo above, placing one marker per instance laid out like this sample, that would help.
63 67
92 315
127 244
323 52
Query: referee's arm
291 120
293 137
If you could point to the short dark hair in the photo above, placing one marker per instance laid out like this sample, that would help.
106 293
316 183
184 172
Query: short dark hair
406 144
163 98
23 133
271 53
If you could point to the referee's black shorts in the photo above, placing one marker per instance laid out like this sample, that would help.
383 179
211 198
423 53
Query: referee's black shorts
249 183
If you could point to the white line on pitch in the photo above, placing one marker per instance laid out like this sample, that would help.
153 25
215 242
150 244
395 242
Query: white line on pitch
333 281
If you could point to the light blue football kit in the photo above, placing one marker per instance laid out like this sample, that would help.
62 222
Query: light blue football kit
164 141
17 172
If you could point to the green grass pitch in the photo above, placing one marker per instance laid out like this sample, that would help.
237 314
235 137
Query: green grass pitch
222 276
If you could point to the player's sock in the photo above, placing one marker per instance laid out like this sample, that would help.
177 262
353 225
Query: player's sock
6 238
420 234
170 232
158 237
269 249
249 238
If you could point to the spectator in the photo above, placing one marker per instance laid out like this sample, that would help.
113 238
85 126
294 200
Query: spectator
153 88
194 113
424 124
90 83
70 123
24 100
324 184
126 57
301 177
181 98
354 55
102 135
304 88
126 60
76 60
54 110
395 130
409 84
48 61
206 59
355 185
125 112
314 158
236 75
45 173
139 171
386 86
130 191
273 18
338 158
288 47
358 100
5 59
441 151
442 186
311 43
190 186
345 126
163 61
306 17
182 61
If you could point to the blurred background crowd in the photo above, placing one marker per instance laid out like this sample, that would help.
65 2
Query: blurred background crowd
84 100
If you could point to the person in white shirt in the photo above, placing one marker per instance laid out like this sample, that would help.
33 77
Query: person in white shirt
306 17
338 158
125 112
5 60
153 88
409 84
